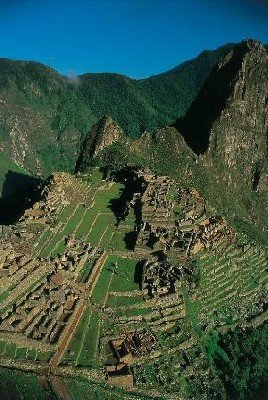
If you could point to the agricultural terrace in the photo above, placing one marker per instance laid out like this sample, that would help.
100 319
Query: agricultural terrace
118 283
95 223
227 279
68 307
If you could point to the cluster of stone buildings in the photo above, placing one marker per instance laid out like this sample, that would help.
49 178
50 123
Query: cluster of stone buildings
134 344
40 310
43 311
160 277
175 218
175 225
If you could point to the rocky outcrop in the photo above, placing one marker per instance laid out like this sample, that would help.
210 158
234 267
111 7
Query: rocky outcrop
226 127
107 132
238 140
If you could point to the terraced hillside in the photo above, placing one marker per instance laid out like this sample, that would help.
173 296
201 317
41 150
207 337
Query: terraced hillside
120 293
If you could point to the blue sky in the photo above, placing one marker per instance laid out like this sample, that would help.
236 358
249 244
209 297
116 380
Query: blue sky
133 37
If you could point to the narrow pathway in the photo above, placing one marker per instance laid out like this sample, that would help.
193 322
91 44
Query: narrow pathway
59 387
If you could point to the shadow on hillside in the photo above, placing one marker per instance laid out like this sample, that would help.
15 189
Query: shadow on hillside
262 393
18 193
195 126
138 272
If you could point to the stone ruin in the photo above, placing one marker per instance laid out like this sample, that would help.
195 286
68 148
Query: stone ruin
134 344
41 310
160 277
61 188
176 219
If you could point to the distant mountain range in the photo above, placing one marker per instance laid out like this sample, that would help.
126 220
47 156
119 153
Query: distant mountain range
45 116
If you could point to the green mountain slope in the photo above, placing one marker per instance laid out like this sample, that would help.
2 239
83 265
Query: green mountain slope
146 104
44 116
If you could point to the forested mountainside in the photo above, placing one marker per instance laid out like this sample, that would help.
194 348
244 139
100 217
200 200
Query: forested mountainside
45 116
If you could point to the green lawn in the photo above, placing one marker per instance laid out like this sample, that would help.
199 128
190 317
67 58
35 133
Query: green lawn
118 242
90 345
132 312
106 238
117 301
10 350
98 229
87 222
4 295
104 196
93 177
78 337
86 271
122 271
66 212
21 353
100 290
124 277
31 354
2 347
75 220
44 357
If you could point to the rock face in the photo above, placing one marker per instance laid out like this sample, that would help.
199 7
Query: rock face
103 134
239 139
226 127
227 123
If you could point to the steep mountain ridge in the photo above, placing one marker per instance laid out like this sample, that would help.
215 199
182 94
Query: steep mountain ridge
226 126
219 143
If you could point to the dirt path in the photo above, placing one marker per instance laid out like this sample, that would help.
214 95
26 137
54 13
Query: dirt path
60 388
67 337
96 273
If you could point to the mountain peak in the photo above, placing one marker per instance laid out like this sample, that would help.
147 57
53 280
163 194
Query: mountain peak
227 82
252 44
103 134
227 121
